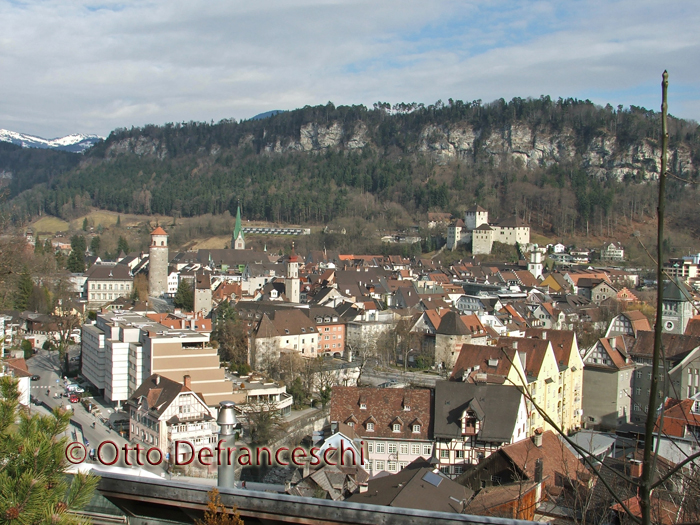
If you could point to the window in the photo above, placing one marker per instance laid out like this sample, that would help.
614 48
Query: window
392 466
363 406
638 391
496 479
396 427
380 465
391 448
427 450
403 448
459 469
370 427
380 448
638 374
369 464
416 429
402 465
370 446
444 453
460 454
415 449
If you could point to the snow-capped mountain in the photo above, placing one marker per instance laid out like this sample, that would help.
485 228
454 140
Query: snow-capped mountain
76 143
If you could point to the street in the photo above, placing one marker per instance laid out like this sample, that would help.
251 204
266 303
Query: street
45 365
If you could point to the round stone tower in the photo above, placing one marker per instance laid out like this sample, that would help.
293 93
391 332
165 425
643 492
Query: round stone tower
158 263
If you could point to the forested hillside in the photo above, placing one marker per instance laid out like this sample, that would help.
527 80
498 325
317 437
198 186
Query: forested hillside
561 165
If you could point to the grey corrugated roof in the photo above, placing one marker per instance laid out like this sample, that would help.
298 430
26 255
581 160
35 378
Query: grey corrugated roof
499 403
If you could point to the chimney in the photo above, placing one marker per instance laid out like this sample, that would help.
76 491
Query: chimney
538 470
635 468
157 380
363 488
537 438
544 335
186 380
613 342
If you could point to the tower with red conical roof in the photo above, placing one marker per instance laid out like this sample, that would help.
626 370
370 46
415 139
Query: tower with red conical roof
292 284
158 263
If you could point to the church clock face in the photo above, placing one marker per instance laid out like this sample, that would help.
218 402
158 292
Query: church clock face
669 325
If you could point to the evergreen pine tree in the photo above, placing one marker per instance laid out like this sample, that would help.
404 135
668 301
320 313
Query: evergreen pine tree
95 243
76 262
25 286
85 224
122 245
35 488
184 297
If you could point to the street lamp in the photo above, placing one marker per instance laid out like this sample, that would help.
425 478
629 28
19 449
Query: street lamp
228 423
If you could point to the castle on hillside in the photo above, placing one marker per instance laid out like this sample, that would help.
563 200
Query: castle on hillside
476 228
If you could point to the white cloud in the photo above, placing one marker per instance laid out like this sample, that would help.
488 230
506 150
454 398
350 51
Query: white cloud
89 67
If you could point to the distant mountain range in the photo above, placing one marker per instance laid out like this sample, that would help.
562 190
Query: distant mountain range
76 143
267 114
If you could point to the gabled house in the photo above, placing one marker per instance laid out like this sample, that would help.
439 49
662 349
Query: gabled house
418 486
395 423
628 323
571 367
162 411
474 420
542 458
607 383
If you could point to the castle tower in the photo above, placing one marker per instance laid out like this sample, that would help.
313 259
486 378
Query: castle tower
291 282
238 240
677 306
202 294
158 263
475 217
535 264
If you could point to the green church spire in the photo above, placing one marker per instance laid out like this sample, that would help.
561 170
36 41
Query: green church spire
238 239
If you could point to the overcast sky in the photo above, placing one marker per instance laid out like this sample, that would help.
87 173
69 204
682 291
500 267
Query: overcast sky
83 66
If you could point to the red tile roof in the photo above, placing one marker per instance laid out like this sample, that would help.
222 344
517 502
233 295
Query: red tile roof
384 407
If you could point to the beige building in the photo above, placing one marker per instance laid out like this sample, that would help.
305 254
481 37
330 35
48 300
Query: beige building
107 282
162 411
554 379
476 228
122 349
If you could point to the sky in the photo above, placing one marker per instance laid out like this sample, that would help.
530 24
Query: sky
84 66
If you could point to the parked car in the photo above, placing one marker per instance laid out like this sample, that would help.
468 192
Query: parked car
36 377
74 398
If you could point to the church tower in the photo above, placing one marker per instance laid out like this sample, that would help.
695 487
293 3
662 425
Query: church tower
238 239
291 282
535 264
677 306
158 263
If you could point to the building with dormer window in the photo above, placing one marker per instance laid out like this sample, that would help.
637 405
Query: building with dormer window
394 423
474 420
107 282
162 411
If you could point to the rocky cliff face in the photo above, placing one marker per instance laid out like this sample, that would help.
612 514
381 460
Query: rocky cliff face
602 157
314 137
141 146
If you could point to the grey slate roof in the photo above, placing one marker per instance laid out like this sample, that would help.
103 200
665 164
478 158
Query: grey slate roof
451 324
676 290
498 404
